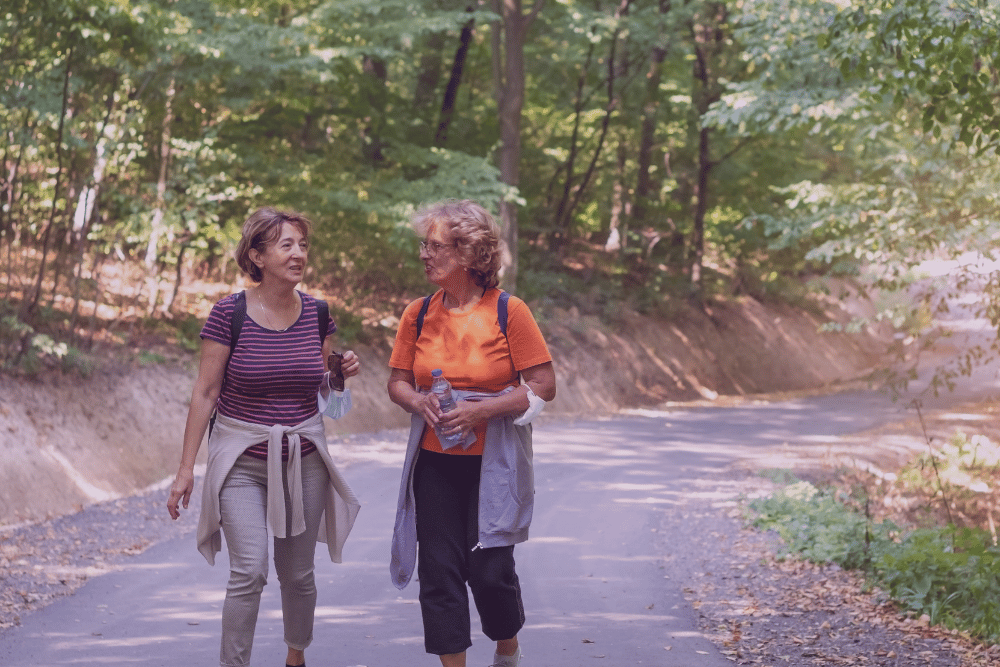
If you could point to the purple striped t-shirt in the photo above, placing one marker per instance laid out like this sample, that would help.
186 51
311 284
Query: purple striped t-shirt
273 376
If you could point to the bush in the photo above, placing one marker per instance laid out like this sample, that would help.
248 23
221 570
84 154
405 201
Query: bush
947 573
950 575
818 527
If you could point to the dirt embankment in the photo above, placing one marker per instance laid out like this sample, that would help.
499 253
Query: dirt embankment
67 441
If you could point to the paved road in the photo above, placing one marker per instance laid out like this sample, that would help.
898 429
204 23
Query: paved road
603 574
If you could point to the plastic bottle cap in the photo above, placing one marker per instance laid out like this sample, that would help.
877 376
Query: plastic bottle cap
436 372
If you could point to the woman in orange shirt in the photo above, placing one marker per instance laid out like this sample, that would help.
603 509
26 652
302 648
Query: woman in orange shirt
466 505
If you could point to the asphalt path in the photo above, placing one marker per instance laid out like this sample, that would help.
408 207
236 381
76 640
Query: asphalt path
613 543
603 573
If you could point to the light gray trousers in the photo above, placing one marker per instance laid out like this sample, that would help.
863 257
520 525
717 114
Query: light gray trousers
243 504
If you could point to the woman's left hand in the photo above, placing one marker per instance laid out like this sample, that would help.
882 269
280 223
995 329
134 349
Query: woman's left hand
461 420
351 364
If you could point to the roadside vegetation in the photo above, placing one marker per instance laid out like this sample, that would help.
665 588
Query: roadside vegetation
925 536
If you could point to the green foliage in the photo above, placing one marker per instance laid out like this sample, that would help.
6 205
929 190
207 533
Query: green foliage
350 327
189 333
959 474
894 103
949 574
944 54
25 351
148 358
14 336
793 88
816 526
186 116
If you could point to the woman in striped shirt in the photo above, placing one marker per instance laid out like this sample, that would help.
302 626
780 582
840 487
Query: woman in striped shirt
269 470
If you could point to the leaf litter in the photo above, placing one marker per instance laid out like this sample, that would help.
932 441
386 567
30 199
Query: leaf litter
763 611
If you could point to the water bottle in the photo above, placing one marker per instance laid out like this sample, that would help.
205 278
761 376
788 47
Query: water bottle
442 389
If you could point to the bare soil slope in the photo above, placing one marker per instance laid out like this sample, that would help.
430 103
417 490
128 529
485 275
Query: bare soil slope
69 441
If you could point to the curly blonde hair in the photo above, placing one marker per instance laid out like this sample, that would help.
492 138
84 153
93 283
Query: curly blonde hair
260 230
473 230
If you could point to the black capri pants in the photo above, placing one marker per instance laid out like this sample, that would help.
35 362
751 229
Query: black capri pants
446 487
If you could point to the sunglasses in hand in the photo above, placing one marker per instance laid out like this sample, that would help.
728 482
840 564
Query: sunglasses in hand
336 364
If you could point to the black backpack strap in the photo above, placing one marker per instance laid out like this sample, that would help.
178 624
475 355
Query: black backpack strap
423 313
236 322
235 327
323 315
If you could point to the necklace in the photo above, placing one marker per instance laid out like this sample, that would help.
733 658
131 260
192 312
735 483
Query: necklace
267 320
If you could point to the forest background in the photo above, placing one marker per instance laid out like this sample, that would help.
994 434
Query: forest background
647 158
639 153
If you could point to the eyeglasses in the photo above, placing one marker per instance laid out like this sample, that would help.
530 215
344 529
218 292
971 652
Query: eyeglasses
432 248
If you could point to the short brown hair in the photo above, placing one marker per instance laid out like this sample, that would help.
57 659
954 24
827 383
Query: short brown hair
473 230
260 230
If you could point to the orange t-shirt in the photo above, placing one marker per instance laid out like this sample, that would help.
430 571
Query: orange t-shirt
470 349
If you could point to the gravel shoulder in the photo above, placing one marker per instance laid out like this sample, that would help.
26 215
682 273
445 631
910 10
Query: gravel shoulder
40 562
45 560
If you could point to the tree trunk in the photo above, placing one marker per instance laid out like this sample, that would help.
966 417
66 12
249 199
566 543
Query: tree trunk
95 271
8 233
31 303
86 205
701 205
62 248
645 189
509 81
619 206
429 76
573 192
179 275
569 167
451 92
708 39
375 76
157 227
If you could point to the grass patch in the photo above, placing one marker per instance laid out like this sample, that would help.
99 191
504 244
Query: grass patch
948 573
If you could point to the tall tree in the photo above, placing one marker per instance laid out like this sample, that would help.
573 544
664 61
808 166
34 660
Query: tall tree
510 33
575 184
451 90
644 188
31 302
709 36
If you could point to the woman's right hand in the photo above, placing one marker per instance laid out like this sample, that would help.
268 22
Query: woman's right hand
429 408
180 493
204 397
402 392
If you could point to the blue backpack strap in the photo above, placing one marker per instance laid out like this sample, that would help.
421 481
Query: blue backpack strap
502 311
423 313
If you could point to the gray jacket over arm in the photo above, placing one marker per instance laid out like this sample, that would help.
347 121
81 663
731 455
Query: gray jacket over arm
506 490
